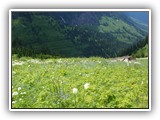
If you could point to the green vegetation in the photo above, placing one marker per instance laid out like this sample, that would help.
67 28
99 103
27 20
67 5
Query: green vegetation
123 31
58 35
79 83
143 52
41 36
63 60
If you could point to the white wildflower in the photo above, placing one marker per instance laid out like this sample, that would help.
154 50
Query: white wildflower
137 63
36 61
86 86
59 60
19 88
17 63
13 102
75 90
99 61
23 93
86 75
14 93
113 61
48 61
20 99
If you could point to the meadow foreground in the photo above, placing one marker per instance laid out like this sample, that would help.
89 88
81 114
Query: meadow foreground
79 83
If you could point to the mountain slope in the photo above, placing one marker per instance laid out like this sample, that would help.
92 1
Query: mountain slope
75 34
142 52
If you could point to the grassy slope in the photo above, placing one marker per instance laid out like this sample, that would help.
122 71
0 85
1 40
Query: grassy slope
120 29
49 83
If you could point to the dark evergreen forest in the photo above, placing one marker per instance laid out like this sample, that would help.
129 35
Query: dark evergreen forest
77 34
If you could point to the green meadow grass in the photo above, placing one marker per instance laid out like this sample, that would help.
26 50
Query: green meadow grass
79 83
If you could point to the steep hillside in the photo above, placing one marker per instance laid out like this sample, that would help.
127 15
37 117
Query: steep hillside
142 49
75 34
141 52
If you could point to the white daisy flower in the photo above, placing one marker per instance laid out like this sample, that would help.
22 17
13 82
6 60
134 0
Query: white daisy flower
19 88
74 90
23 93
14 93
86 86
13 102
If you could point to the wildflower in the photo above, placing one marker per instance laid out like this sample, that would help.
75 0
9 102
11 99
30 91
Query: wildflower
20 99
19 88
23 93
86 86
35 61
13 102
15 93
99 61
17 63
137 63
59 60
75 90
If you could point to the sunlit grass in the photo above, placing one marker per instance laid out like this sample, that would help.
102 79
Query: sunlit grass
79 83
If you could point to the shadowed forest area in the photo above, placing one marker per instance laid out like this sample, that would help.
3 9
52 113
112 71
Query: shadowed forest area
78 34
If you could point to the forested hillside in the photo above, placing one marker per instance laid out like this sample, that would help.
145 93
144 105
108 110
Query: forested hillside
76 34
143 50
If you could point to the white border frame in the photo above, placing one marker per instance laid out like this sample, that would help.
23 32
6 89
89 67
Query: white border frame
78 10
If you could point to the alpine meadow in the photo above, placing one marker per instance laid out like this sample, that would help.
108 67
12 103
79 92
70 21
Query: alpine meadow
79 60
